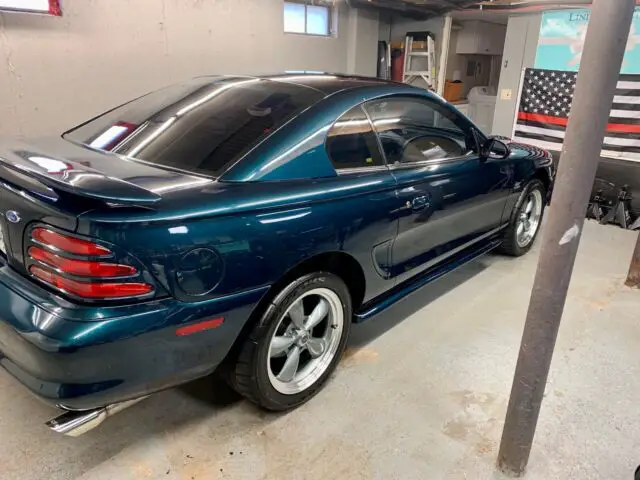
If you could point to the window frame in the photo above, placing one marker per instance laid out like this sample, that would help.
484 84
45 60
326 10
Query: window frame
331 21
378 146
53 9
466 129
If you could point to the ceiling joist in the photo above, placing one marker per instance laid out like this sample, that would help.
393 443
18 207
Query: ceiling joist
419 9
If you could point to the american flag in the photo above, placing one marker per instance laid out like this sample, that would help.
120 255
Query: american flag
545 103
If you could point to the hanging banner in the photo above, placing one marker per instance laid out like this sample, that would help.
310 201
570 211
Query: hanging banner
546 91
562 39
545 102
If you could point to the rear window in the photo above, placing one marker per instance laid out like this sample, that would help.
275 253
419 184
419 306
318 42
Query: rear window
202 125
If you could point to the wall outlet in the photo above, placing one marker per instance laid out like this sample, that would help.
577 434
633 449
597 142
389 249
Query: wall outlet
505 94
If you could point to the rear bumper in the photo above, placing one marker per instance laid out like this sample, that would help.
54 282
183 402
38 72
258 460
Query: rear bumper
120 353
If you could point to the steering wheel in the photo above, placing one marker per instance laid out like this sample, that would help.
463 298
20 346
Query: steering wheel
430 147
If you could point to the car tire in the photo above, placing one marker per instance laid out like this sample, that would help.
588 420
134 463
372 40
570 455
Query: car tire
263 368
525 221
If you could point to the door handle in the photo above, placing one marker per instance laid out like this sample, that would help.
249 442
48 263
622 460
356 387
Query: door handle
420 203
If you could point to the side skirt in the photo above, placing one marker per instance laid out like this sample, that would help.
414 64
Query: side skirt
406 288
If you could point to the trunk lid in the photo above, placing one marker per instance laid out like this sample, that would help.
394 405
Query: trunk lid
54 181
68 168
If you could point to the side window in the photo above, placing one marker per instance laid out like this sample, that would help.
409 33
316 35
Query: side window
351 142
415 130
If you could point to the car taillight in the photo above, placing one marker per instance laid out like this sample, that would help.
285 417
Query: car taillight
81 268
90 290
54 260
68 244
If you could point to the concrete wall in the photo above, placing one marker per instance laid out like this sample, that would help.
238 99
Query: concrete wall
362 32
56 72
519 52
384 27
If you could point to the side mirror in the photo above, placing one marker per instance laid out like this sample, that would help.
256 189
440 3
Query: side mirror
494 148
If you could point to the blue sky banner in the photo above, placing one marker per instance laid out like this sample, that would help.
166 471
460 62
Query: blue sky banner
561 41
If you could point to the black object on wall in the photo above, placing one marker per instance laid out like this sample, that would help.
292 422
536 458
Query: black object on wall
615 197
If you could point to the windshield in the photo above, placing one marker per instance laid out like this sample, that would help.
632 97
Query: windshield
202 125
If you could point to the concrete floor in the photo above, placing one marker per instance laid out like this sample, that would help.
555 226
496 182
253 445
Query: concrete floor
421 394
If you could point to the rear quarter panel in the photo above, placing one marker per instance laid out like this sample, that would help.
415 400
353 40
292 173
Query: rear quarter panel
260 230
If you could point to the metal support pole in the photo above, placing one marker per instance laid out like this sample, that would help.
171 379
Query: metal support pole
633 279
599 70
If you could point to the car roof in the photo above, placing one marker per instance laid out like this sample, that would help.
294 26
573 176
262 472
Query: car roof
325 83
329 83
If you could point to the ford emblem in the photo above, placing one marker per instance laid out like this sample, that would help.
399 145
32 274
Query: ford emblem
13 216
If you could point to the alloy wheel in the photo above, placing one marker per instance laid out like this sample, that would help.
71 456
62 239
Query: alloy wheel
529 218
305 341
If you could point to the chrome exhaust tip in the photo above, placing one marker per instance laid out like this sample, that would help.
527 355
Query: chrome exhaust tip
76 423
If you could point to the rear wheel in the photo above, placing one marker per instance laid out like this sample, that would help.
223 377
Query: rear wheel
297 343
525 220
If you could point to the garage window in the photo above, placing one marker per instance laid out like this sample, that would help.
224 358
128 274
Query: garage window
51 7
308 17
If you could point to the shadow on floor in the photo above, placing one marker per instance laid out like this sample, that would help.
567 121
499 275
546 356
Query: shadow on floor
364 333
360 335
164 414
157 421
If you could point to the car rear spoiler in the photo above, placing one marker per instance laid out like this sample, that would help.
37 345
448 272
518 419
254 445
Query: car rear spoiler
75 178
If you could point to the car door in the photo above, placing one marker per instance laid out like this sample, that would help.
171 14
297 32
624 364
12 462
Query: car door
369 221
450 196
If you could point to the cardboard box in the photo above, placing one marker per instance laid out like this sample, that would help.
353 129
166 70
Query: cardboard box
453 91
417 45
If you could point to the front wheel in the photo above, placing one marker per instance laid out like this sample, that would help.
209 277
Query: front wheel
297 343
525 220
